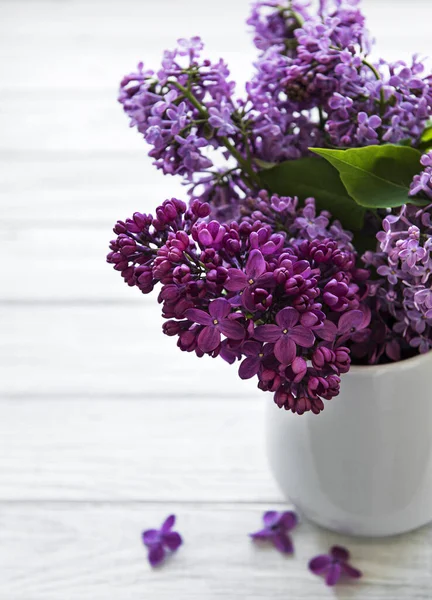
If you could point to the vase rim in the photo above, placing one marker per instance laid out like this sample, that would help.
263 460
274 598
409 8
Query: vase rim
368 369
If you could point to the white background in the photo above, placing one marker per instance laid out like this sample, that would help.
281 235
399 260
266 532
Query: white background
105 426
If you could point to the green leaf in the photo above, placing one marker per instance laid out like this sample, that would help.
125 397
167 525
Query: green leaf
364 241
427 134
316 178
426 138
376 176
405 142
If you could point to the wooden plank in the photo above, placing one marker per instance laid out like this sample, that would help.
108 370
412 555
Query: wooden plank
80 111
84 47
164 449
121 22
50 264
94 552
65 121
96 349
88 48
80 190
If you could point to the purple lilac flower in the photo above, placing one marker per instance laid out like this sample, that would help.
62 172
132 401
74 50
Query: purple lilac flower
320 61
216 322
400 303
286 214
334 565
367 128
222 121
277 527
310 64
315 51
286 335
223 190
189 149
314 225
209 235
293 285
253 277
391 272
411 253
423 297
279 281
422 184
176 108
159 541
349 324
256 355
190 47
422 343
279 131
274 21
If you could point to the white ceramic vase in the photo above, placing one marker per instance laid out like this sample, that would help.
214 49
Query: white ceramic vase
364 465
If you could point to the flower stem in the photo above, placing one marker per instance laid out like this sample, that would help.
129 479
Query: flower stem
252 178
321 118
372 68
244 164
378 78
194 101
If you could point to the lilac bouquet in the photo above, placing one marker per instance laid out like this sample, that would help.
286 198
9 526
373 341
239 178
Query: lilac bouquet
306 242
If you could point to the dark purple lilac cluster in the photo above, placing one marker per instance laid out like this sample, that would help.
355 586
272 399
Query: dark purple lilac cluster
401 300
286 307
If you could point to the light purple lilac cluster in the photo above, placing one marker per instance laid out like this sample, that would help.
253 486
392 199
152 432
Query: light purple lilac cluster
401 299
286 307
274 23
179 108
185 112
422 183
315 85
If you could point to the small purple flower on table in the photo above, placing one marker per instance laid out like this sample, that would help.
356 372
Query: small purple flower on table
334 565
276 529
159 541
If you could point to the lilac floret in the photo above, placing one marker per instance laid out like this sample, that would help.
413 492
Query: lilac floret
160 541
277 527
422 183
334 566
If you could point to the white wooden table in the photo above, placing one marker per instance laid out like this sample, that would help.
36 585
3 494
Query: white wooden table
105 428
